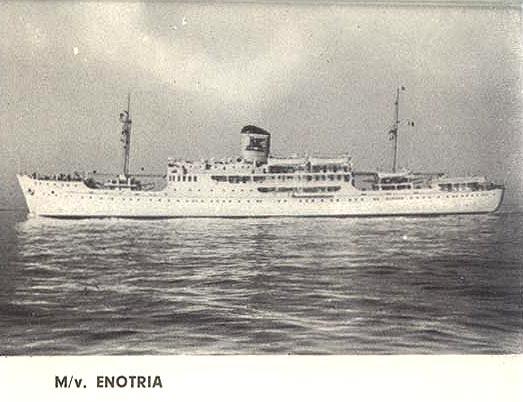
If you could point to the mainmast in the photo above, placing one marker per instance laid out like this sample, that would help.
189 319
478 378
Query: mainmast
395 127
125 119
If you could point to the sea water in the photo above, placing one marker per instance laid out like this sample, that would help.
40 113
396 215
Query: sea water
449 284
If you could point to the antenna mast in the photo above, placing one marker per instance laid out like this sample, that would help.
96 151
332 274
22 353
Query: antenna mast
125 119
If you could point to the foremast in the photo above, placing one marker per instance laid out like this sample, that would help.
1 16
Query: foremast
125 119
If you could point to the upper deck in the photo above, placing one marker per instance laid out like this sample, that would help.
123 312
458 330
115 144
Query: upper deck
278 175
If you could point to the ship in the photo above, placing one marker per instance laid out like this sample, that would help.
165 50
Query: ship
259 184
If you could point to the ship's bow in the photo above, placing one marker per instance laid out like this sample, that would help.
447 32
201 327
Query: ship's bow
27 185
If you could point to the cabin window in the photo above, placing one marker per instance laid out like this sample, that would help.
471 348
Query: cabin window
189 178
473 186
311 189
183 178
266 189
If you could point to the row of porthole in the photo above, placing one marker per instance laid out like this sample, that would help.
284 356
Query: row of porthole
55 184
284 200
223 201
465 195
194 200
223 190
377 199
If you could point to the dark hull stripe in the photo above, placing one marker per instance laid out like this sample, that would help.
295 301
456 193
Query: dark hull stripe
418 215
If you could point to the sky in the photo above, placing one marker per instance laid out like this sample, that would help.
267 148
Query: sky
321 78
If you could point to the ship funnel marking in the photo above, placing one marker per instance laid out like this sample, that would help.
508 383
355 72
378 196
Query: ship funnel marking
256 144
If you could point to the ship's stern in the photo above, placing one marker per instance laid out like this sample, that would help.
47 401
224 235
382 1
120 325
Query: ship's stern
499 192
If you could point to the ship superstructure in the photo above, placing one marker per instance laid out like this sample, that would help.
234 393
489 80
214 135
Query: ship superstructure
258 184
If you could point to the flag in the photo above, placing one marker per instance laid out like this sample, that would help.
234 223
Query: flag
124 116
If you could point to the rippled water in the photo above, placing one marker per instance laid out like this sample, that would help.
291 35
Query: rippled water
380 285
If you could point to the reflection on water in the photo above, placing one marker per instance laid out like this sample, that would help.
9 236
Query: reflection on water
380 285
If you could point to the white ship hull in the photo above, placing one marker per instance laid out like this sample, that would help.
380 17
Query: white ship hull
76 200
